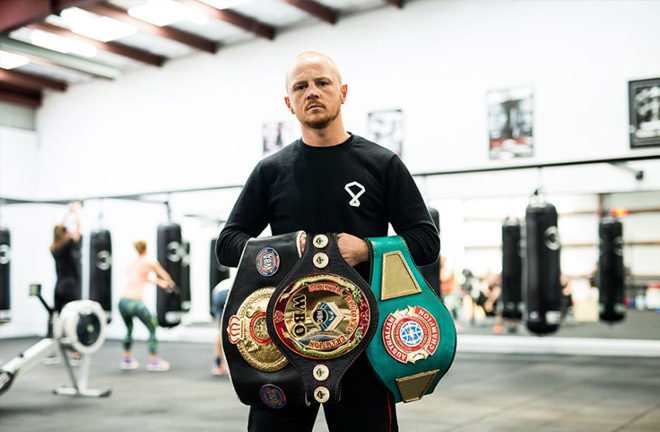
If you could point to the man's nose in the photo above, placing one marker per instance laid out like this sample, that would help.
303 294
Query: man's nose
312 92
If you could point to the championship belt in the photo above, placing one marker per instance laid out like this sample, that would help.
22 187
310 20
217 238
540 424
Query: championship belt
259 372
415 341
322 317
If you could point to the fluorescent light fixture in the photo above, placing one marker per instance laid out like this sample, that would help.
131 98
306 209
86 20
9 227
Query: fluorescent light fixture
224 4
166 12
10 60
91 25
62 44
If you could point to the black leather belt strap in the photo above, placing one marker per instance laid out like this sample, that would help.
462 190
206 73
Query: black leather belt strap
259 372
322 316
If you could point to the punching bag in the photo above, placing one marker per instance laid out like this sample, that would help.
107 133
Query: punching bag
5 288
170 255
611 273
541 274
100 270
217 274
431 272
185 276
511 271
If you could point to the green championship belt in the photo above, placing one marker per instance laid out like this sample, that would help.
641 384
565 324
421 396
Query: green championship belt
415 340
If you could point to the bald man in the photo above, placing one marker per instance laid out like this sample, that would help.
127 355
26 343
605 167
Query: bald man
330 181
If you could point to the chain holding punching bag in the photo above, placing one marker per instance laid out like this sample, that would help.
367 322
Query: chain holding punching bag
511 270
5 276
185 276
100 269
170 254
611 272
217 274
431 272
541 275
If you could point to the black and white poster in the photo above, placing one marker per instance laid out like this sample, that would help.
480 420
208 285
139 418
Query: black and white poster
511 122
386 128
276 135
644 103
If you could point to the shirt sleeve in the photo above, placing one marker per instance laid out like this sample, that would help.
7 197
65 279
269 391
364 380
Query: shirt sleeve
247 219
409 215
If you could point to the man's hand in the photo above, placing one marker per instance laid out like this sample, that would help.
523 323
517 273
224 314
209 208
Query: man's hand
353 249
303 242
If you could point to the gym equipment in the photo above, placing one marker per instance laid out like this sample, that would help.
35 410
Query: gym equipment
218 273
100 269
431 272
415 340
611 272
170 255
81 327
541 275
511 270
185 276
5 275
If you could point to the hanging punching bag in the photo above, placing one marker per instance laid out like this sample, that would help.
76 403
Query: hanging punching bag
217 274
185 276
431 272
168 304
511 271
611 273
5 287
100 270
541 274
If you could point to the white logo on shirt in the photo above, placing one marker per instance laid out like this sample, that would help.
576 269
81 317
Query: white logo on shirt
350 187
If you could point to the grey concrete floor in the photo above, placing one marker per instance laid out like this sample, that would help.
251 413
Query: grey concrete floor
482 392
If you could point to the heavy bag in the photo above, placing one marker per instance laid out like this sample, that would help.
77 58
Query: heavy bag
431 272
100 269
322 316
185 277
611 272
5 275
415 340
541 270
511 271
170 255
259 372
217 274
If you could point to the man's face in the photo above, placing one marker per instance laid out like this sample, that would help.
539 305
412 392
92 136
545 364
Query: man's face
315 92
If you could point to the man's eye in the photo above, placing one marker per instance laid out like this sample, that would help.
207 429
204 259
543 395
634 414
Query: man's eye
299 87
323 83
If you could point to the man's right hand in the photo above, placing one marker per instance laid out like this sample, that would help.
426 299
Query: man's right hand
303 242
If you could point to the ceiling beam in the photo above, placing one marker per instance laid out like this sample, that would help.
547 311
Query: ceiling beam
105 9
71 61
112 47
30 81
315 9
21 96
397 3
17 13
248 24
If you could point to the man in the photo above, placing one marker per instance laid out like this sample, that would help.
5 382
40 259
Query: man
330 181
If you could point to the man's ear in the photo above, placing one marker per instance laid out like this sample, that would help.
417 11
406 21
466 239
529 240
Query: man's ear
344 91
287 101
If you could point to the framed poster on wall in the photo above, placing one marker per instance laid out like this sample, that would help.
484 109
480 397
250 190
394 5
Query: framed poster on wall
644 105
386 128
511 122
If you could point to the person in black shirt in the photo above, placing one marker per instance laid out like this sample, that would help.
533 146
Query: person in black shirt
330 181
66 250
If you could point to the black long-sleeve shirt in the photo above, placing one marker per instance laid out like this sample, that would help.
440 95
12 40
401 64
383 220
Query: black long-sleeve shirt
307 188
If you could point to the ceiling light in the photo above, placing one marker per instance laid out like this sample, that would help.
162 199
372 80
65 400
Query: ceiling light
10 60
224 4
96 27
62 44
166 12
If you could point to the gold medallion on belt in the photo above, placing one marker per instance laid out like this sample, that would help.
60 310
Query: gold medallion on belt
247 330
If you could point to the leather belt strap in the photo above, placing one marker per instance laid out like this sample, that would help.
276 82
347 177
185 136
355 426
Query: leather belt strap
322 317
415 342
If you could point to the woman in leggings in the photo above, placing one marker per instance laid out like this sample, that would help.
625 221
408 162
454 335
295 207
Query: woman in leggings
131 305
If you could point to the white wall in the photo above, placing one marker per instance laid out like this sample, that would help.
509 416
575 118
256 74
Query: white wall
197 121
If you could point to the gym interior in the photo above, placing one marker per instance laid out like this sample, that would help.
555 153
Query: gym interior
531 128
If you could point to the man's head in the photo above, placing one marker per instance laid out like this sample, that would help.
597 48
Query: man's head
315 91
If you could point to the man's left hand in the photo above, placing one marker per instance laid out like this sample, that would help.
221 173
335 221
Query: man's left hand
353 249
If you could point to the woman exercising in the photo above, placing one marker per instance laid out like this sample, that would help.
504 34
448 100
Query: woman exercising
65 250
131 305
